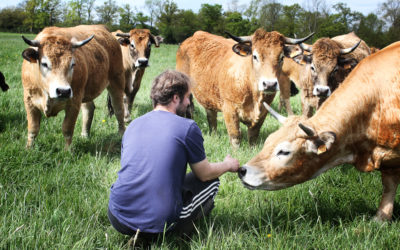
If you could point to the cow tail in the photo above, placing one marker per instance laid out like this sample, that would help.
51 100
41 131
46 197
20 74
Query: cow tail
109 106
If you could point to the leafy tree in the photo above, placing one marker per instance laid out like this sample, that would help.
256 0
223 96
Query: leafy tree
187 24
168 21
154 7
235 24
75 13
126 20
211 18
12 19
289 21
370 30
391 13
107 13
269 15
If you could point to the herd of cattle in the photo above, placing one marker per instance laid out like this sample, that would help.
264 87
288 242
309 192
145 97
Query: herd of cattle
356 95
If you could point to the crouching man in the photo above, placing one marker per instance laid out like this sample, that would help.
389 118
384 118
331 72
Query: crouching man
153 194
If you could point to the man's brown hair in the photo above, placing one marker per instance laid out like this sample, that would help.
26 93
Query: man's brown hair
168 84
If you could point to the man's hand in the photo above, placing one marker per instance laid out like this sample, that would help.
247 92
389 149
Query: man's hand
232 163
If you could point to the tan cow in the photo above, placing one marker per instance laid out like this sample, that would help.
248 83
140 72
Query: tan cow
136 48
235 84
326 64
66 68
3 84
359 124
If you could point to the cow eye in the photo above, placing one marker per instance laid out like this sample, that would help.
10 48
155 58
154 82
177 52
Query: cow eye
335 69
313 68
283 152
44 65
255 57
132 46
72 65
149 44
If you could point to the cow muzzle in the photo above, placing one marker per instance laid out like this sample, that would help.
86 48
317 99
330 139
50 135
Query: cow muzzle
61 92
268 85
142 62
321 91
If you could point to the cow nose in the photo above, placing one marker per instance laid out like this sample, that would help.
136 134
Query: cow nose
63 92
270 85
322 91
143 62
241 172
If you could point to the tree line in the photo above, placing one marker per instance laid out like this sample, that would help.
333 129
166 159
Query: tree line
165 18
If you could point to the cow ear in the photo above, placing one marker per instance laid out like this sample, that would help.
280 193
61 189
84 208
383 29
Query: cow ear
302 59
31 55
322 143
348 63
292 51
124 41
156 40
242 49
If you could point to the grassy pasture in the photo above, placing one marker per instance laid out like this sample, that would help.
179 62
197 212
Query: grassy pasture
56 199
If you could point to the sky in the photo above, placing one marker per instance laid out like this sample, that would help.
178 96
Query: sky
363 6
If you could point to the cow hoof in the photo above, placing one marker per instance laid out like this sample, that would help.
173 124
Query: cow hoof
85 134
235 143
381 219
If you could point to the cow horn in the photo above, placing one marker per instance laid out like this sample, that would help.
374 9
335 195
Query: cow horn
305 47
33 43
241 39
309 131
281 119
349 50
81 43
297 40
123 35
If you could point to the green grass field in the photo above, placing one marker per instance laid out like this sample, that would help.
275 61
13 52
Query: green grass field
56 199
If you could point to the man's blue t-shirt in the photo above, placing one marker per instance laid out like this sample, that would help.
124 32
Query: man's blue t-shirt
156 148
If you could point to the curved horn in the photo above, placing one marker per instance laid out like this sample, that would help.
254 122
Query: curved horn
81 43
305 47
297 40
33 43
281 119
123 35
349 50
242 39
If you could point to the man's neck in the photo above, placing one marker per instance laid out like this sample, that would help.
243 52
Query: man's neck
168 108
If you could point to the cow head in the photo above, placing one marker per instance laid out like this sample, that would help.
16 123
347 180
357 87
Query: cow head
139 42
55 58
267 50
327 64
293 154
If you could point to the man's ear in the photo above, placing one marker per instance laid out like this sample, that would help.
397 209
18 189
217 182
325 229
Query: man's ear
242 49
31 55
124 41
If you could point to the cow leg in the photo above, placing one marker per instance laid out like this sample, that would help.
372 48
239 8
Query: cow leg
212 120
390 182
253 132
33 116
87 117
284 98
117 96
68 126
233 126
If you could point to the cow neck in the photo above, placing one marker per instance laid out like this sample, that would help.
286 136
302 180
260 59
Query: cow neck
346 112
